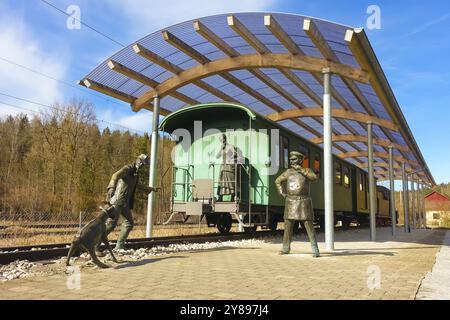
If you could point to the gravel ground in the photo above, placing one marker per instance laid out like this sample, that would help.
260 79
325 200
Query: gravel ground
25 269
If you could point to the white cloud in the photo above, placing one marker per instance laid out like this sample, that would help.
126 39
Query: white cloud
19 45
139 122
163 13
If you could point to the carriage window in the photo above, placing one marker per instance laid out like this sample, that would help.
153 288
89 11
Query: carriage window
346 175
284 153
338 175
305 150
317 164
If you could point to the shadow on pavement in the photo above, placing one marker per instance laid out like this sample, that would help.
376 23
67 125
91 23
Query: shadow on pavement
128 264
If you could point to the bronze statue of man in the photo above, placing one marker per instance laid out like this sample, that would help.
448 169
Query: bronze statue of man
298 205
228 179
120 196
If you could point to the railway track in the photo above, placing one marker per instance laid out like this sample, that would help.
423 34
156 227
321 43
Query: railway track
53 251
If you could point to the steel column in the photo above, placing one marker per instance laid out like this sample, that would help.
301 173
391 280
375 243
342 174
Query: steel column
413 202
372 187
153 165
328 161
405 199
419 203
392 186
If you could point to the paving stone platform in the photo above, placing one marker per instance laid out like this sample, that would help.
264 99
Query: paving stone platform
357 269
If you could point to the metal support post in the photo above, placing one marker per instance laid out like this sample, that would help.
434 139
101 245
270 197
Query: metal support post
372 186
328 161
413 202
153 165
405 199
392 187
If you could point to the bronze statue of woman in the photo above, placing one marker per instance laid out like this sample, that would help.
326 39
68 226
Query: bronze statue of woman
228 180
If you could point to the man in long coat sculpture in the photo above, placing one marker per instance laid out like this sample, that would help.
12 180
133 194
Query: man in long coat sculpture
298 205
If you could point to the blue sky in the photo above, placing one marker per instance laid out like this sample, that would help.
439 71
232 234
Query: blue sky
412 45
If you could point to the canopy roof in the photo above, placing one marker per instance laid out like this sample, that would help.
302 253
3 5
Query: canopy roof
272 63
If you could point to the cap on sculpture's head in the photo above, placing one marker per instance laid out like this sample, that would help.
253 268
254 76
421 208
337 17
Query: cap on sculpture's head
296 155
142 160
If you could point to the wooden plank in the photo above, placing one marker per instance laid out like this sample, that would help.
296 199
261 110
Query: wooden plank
271 23
184 47
200 28
246 34
336 113
311 29
91 84
151 56
120 68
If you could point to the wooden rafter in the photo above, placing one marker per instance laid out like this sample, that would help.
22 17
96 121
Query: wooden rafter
118 67
318 39
91 84
175 69
259 47
358 138
363 154
227 76
355 46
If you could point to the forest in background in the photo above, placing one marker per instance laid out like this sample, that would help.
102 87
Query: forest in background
58 163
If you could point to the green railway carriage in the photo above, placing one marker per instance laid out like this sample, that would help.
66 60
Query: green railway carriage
262 147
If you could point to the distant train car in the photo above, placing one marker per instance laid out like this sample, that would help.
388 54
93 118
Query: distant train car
263 147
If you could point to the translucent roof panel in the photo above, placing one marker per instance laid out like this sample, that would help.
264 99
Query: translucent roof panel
269 62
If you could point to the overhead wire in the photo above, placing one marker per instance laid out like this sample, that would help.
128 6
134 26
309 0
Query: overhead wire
58 109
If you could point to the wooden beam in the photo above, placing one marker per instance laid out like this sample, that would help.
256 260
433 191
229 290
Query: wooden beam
271 23
383 155
91 84
272 60
246 34
310 28
336 113
151 56
120 68
184 47
206 33
358 138
386 165
175 69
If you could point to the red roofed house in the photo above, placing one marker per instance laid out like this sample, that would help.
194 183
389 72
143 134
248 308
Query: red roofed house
437 207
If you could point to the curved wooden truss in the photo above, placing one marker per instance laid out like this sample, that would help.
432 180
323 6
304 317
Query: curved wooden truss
336 113
269 60
361 154
357 138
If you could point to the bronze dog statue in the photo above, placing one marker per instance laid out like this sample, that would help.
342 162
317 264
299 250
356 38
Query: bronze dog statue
90 236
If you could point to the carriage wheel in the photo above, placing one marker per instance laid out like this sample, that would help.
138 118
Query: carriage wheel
224 222
250 230
273 222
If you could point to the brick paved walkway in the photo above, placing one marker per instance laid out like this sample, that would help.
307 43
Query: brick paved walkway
436 285
351 272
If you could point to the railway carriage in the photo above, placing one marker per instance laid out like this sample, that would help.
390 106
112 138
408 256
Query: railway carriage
262 148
